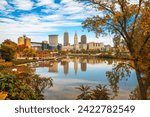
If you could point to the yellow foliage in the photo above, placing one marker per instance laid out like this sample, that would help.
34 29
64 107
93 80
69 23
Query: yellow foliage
6 64
3 95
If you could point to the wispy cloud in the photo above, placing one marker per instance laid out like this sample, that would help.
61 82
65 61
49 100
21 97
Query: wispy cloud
40 17
23 4
47 3
3 4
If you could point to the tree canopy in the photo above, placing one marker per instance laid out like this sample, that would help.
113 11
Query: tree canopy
8 50
131 22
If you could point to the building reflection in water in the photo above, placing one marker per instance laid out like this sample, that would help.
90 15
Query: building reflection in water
95 61
83 62
76 60
83 66
53 67
66 68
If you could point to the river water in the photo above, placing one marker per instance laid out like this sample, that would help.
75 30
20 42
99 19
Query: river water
70 73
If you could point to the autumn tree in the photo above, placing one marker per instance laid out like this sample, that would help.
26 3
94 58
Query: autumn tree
119 45
28 52
131 22
8 50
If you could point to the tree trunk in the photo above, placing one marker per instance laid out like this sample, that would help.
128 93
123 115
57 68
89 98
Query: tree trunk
142 87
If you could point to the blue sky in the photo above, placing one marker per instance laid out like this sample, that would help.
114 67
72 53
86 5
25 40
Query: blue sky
40 18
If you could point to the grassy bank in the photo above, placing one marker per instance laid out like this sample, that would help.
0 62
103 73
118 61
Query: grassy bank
22 61
101 56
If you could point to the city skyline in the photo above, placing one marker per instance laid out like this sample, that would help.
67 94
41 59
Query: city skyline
39 18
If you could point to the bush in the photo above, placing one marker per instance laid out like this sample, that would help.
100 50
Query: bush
99 93
5 65
23 86
3 95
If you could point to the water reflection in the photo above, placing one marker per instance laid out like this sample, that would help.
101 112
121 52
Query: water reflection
83 66
75 66
53 67
70 73
66 68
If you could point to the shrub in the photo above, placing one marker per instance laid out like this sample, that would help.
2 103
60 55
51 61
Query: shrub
23 86
5 65
99 93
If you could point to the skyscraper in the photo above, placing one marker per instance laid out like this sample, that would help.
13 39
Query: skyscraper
53 41
83 39
75 39
66 39
76 44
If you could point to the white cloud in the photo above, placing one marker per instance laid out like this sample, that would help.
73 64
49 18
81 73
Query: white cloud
44 2
7 20
76 17
66 14
71 7
3 4
23 25
54 17
48 10
66 1
23 4
5 8
47 3
31 18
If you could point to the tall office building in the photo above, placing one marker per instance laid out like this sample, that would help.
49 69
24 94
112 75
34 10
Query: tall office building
76 44
83 39
75 39
53 41
66 39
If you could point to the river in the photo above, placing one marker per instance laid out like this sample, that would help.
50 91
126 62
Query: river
70 73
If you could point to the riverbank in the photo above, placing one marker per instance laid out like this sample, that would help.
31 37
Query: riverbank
101 56
24 61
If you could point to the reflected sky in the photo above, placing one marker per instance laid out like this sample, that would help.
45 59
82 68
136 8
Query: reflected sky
69 74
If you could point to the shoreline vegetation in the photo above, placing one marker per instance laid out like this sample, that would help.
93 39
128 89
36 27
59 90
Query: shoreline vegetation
22 84
17 62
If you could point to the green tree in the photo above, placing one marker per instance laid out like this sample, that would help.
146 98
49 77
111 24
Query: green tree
8 50
23 85
132 23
